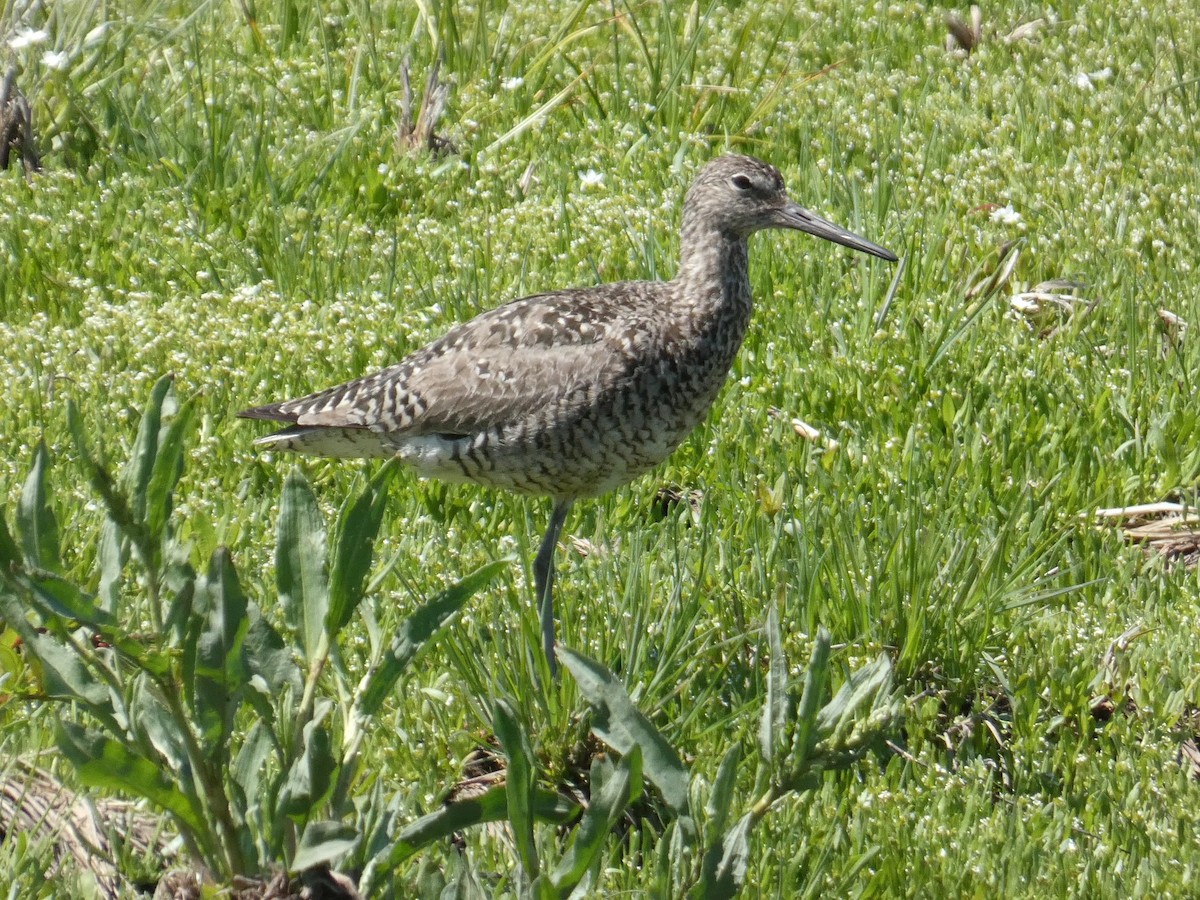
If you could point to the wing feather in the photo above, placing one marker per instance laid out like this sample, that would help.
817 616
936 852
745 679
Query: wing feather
503 365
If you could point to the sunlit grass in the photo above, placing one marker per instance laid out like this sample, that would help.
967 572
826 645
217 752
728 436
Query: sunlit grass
223 200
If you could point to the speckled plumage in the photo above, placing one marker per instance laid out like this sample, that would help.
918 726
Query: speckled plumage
570 393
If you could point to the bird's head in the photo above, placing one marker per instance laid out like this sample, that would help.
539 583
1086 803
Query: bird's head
742 195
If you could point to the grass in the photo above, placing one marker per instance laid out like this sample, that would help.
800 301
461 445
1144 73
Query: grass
223 200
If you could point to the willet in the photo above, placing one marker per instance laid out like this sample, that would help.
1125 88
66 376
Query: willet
571 393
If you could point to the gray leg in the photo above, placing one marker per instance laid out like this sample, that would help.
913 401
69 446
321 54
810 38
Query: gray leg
543 580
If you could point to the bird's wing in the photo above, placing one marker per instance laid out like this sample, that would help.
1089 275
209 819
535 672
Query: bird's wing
503 365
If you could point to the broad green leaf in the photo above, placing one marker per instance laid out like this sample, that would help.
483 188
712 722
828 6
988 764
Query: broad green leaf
165 471
459 814
771 732
720 796
300 563
675 851
609 800
111 557
136 479
150 715
248 764
36 524
311 777
268 657
55 596
451 817
220 663
724 870
376 817
416 632
428 881
275 679
806 733
617 722
353 549
519 779
323 842
860 689
179 581
101 762
12 664
64 675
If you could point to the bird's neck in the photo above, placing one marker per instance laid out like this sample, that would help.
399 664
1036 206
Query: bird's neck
713 271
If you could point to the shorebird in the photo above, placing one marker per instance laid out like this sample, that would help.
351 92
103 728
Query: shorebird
570 393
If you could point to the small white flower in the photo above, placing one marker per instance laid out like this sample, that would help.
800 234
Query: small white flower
591 178
56 59
1101 74
382 168
27 37
511 84
1006 215
1083 81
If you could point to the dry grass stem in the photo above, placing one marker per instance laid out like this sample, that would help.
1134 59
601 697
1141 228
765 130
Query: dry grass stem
419 134
17 140
1171 529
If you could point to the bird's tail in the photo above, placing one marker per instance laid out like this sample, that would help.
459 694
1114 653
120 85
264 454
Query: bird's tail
343 443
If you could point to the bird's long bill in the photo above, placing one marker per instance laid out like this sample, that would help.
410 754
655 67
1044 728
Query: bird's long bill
796 216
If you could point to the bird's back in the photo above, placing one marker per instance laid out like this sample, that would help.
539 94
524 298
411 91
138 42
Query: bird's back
568 394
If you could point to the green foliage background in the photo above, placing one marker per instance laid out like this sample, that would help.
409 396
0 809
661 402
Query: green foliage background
224 199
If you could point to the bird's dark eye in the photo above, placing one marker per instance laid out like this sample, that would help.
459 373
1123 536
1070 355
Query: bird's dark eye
741 182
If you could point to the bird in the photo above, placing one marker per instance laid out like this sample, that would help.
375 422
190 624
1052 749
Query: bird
571 393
